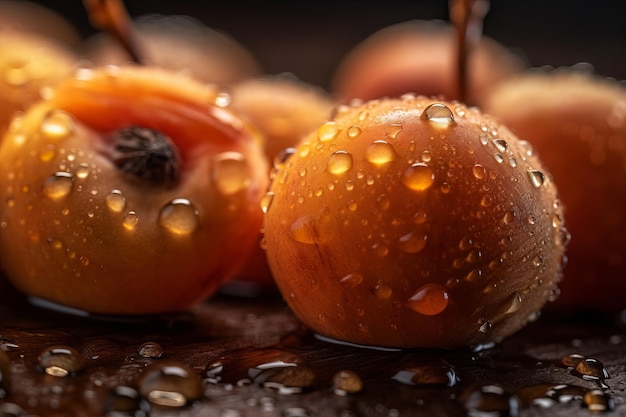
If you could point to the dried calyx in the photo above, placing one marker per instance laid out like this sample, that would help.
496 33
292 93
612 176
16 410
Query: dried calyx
146 154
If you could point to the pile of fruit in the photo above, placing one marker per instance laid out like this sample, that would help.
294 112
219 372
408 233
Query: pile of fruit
421 203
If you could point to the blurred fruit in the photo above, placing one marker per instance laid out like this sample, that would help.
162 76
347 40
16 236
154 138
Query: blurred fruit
284 110
29 64
577 124
30 17
419 57
414 223
179 43
128 191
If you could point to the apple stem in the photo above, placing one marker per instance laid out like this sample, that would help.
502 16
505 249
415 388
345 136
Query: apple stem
112 17
146 154
467 17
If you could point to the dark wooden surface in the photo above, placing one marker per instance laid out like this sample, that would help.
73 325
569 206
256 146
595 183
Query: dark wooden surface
243 334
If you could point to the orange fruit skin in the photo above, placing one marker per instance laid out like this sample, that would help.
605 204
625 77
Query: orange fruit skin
577 124
78 231
414 222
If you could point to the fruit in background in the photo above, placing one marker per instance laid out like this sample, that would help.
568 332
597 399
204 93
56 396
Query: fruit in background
30 17
179 43
29 64
282 107
284 110
419 57
577 124
127 191
414 223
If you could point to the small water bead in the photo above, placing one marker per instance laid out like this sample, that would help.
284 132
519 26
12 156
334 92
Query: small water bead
47 154
82 171
115 201
572 360
180 217
55 243
151 350
223 99
282 157
412 242
58 185
328 131
512 303
498 157
429 300
427 372
123 401
311 230
438 113
380 152
230 173
479 172
512 162
382 291
537 178
57 125
418 177
393 130
598 401
170 384
131 220
347 382
490 400
353 131
591 369
266 201
486 200
485 327
60 361
501 145
339 162
351 281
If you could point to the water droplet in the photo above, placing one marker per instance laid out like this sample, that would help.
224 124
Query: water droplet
598 401
536 178
125 401
266 201
353 131
116 201
151 350
429 300
58 185
500 145
512 303
484 139
383 291
498 157
339 163
60 361
412 242
347 382
418 177
308 229
230 173
57 125
512 162
180 217
131 220
328 131
478 171
170 384
490 400
486 200
393 130
485 327
438 113
380 152
223 99
572 360
351 281
591 369
82 171
282 157
426 371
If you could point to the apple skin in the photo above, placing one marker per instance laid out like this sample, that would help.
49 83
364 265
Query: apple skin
414 222
78 231
577 124
419 57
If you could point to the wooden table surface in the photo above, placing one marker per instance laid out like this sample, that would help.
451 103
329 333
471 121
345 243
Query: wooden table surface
253 359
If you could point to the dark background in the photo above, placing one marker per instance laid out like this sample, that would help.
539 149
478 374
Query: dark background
309 38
